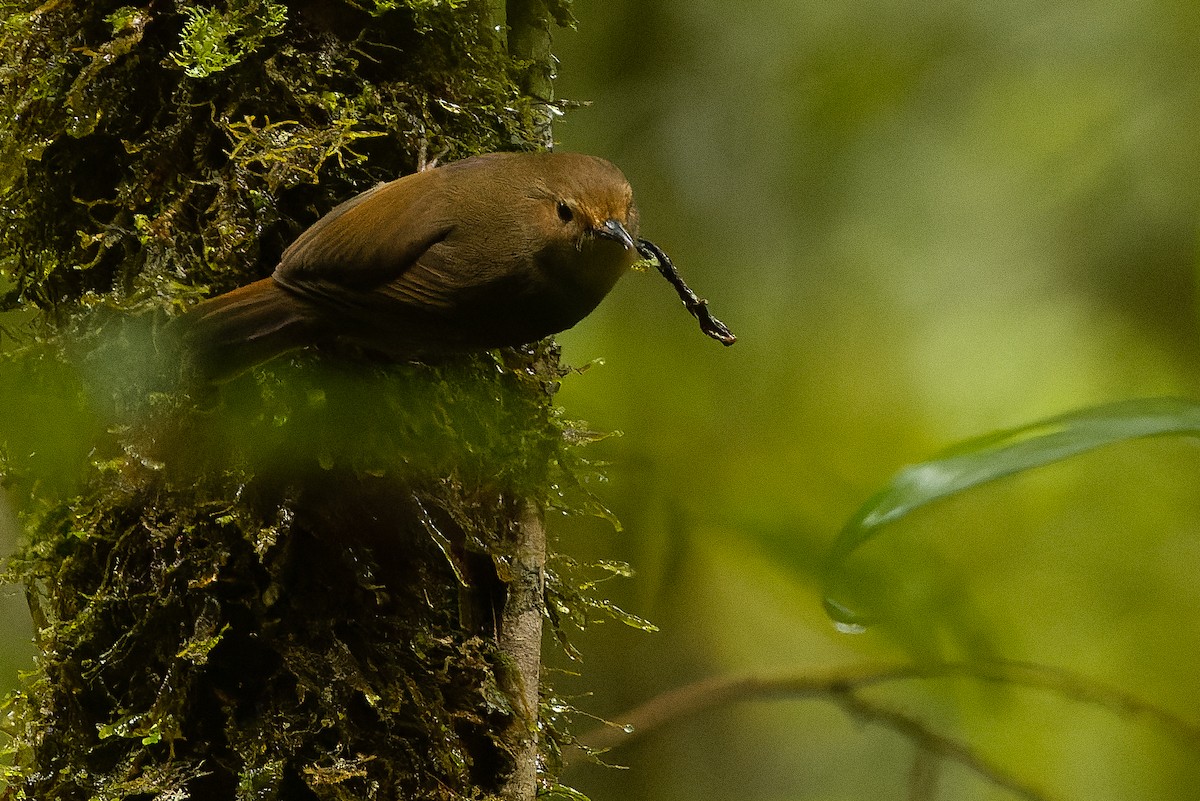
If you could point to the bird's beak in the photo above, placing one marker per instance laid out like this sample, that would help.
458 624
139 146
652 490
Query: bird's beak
612 229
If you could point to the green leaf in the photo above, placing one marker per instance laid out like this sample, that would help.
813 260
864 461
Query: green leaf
994 456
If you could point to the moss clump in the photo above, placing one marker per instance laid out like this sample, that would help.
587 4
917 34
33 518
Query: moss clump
241 605
158 151
287 590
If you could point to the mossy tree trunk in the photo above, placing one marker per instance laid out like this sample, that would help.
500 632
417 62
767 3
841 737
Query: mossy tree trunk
325 582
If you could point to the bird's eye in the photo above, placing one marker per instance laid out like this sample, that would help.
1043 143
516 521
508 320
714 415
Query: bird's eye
564 212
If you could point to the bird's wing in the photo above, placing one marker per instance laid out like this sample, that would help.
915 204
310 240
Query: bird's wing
369 241
422 286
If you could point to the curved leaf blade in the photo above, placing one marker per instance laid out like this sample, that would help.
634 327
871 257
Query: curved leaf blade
994 456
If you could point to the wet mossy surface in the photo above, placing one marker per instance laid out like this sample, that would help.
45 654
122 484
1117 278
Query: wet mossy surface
154 150
287 587
286 597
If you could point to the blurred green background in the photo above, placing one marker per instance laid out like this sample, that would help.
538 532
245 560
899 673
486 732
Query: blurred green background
924 221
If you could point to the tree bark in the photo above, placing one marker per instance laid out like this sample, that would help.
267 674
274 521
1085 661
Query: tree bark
521 640
529 43
326 581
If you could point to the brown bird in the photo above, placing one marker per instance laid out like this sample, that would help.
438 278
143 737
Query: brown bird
500 249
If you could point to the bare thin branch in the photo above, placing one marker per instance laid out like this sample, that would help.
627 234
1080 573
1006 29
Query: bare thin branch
937 743
925 774
845 686
521 640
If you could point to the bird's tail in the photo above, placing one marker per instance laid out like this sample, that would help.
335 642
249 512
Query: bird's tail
231 333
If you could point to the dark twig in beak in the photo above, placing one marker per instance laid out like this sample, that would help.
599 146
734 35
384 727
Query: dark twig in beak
696 305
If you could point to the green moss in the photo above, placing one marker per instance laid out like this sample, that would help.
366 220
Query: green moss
285 590
183 145
287 594
213 40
